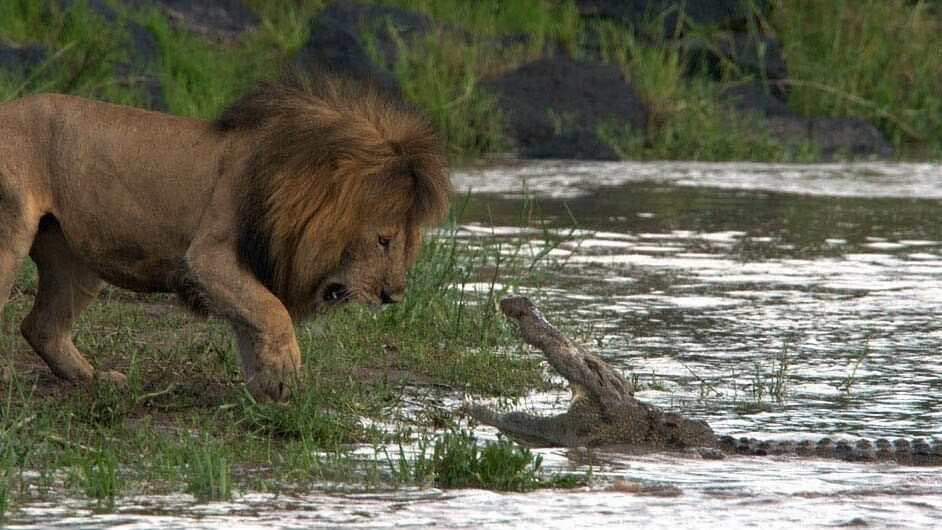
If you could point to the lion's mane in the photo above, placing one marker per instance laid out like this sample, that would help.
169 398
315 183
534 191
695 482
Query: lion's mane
331 156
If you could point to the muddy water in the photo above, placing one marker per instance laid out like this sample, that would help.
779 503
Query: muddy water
698 279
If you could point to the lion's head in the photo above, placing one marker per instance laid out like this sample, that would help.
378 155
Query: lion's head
340 185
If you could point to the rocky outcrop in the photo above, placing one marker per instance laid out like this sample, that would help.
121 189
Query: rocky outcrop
22 60
222 20
554 106
138 70
604 412
719 13
337 42
830 136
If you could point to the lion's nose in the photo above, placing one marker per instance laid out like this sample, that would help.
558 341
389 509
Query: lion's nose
389 298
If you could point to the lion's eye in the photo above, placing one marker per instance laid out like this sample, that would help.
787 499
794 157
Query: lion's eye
384 242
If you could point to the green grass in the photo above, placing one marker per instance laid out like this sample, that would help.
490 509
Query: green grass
684 120
872 58
100 479
209 470
543 22
458 460
440 79
867 58
187 425
83 48
285 24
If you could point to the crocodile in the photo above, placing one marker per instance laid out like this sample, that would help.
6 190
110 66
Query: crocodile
605 412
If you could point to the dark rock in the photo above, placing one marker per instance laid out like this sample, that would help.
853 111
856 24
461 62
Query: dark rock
143 48
554 106
336 40
582 144
146 82
640 13
23 59
856 136
753 98
831 136
338 50
219 19
143 44
759 56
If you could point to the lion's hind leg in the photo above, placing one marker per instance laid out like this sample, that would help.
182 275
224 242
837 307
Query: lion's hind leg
66 288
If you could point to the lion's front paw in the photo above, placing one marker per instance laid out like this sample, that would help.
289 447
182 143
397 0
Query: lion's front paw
274 381
111 377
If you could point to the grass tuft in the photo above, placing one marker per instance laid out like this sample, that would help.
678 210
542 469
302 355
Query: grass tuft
456 460
311 416
437 74
209 470
101 480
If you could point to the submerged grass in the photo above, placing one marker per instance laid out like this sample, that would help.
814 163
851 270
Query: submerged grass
457 460
209 470
848 381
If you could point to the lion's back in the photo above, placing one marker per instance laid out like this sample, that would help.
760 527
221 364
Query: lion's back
114 177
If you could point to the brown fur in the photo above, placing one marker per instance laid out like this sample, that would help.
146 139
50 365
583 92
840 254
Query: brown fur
304 194
331 157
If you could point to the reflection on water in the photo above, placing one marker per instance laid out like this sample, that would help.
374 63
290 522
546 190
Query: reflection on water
695 277
680 281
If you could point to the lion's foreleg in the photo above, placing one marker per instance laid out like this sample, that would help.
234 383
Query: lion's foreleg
265 338
18 227
272 365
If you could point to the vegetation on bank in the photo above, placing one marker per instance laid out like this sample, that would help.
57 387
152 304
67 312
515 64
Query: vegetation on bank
875 59
187 424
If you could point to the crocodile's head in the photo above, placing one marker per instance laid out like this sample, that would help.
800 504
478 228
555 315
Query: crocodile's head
677 432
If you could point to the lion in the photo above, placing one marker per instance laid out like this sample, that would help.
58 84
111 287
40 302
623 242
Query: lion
305 194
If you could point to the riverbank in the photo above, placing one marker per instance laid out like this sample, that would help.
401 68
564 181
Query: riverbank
186 423
773 301
761 81
378 380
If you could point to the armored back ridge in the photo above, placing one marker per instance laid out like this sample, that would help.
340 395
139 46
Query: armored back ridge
917 452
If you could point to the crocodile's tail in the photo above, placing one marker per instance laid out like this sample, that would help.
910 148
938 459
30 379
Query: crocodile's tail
917 452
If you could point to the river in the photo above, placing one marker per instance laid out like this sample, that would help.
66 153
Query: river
702 280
